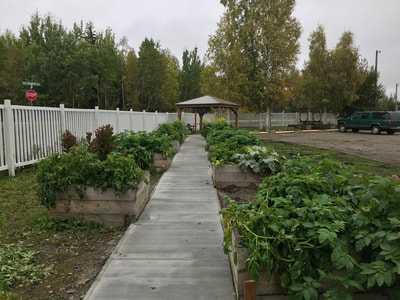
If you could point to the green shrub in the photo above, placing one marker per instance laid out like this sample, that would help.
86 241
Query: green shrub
80 168
18 267
317 224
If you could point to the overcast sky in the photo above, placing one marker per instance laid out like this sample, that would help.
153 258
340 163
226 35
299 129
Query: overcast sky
180 24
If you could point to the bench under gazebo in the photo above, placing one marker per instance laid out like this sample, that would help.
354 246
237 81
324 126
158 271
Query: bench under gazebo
206 104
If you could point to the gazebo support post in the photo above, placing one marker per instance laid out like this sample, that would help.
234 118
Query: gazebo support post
235 112
201 114
195 122
180 114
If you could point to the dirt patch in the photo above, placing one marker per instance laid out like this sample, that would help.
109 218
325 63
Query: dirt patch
73 259
72 253
383 148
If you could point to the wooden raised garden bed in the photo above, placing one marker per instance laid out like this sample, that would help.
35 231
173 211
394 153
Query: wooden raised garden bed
161 163
176 145
266 286
105 207
229 176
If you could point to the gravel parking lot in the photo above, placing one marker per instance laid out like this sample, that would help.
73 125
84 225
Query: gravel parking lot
384 148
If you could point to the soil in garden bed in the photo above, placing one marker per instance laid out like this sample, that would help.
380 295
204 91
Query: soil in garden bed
71 252
241 195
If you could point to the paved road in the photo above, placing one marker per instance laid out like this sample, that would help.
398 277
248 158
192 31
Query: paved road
175 250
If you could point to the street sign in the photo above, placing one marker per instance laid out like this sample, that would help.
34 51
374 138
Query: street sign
31 96
31 84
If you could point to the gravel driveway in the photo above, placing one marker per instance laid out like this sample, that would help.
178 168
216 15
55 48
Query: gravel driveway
384 148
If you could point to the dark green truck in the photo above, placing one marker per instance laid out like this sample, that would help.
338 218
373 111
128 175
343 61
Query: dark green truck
375 121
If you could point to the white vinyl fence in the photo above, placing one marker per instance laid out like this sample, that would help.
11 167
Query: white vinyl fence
30 133
282 119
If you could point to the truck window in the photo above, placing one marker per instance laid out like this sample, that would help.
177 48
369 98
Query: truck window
365 116
395 116
381 115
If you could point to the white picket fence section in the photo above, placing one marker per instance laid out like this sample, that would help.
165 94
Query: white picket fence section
282 119
31 133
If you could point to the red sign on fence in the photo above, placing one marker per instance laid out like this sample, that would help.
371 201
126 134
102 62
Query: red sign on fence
31 95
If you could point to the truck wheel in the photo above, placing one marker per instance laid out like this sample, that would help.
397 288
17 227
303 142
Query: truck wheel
375 130
390 132
354 130
342 128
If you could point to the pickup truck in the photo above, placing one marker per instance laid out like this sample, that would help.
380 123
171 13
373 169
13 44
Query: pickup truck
375 121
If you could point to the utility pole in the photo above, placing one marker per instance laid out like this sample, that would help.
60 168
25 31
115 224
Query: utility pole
376 74
376 60
396 97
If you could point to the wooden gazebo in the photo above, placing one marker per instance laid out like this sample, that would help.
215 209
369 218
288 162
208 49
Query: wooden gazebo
206 104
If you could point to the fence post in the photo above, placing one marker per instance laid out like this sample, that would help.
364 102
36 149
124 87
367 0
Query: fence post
62 117
325 116
283 118
156 119
167 114
130 119
96 118
144 120
268 119
117 120
9 137
250 292
297 118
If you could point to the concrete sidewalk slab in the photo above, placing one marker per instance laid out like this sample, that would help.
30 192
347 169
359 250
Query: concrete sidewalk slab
175 250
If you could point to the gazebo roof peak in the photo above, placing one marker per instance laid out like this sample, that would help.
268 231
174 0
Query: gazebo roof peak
207 101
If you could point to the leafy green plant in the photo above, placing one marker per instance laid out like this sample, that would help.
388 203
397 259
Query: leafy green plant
176 131
260 160
225 144
48 223
138 145
161 144
321 228
219 124
143 145
80 168
103 143
18 266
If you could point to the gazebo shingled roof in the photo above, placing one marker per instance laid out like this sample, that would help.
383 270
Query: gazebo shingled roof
204 105
207 101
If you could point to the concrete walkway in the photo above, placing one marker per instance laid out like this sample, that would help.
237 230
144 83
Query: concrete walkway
175 250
